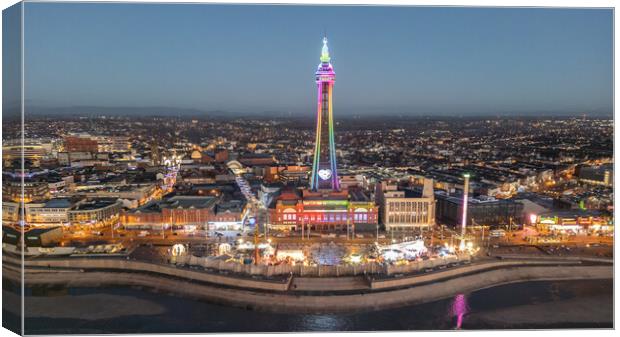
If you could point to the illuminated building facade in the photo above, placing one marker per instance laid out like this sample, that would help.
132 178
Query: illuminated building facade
30 152
331 212
97 212
324 171
573 220
33 191
198 212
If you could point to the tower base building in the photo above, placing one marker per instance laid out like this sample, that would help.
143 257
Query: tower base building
325 211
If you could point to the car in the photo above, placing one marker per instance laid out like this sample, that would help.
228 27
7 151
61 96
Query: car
498 233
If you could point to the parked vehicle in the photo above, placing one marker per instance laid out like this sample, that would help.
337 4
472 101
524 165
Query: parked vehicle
497 233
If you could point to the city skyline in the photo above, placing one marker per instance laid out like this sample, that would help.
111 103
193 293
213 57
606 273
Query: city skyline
174 168
422 62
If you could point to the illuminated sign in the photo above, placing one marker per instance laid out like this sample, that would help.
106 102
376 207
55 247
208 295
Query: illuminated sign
325 174
326 202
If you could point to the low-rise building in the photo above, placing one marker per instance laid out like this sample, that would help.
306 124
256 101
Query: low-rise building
34 190
596 175
406 208
95 212
574 221
51 213
483 211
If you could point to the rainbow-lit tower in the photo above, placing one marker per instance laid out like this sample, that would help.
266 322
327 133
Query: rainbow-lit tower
324 170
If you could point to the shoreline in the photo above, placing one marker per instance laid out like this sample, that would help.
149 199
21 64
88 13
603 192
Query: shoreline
417 290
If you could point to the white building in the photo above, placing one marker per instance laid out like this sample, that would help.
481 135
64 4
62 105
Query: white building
405 209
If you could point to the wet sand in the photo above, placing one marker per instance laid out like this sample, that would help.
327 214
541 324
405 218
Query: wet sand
597 310
87 307
529 305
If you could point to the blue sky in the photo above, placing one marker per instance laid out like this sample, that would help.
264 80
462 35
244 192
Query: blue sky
388 60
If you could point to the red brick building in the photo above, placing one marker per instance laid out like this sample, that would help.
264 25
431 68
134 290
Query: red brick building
80 144
324 210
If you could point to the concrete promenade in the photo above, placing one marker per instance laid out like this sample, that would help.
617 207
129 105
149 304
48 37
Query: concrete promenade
299 294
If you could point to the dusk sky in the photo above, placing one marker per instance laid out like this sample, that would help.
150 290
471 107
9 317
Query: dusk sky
252 59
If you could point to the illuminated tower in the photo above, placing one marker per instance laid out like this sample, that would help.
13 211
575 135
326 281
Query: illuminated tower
324 171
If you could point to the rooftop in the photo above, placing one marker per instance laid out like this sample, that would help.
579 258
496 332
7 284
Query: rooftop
94 204
189 202
58 203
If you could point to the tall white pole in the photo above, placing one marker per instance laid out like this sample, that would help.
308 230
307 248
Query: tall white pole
464 217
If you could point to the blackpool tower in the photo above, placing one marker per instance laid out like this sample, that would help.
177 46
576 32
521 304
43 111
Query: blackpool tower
324 171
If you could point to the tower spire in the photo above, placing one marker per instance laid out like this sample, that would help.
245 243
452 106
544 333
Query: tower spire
325 52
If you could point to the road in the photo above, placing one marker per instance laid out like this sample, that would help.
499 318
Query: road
131 238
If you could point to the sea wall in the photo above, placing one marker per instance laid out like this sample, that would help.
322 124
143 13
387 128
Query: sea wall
294 302
410 281
163 270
